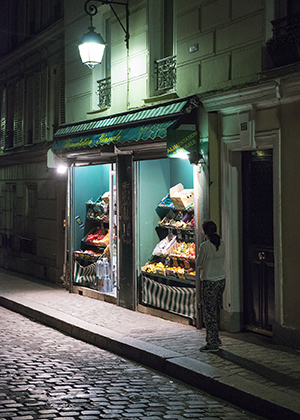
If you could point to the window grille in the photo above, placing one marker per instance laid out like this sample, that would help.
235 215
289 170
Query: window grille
104 92
166 73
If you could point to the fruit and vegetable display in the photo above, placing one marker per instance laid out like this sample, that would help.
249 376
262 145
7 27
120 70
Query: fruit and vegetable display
180 221
154 268
183 250
178 260
164 245
87 254
179 271
98 210
98 238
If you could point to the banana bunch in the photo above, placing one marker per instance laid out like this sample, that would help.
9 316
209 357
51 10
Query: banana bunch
154 268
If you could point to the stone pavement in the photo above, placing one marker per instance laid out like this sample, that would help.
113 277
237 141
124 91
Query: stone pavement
47 375
249 371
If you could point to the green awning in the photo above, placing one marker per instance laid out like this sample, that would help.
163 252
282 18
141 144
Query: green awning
123 119
143 132
143 124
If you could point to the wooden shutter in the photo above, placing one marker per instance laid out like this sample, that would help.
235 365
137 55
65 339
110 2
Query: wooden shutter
29 109
3 118
18 113
45 13
36 108
62 105
44 103
21 10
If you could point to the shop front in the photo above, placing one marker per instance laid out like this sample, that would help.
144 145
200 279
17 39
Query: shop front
133 207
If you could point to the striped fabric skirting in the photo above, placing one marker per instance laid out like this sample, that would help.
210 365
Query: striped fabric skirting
85 275
181 300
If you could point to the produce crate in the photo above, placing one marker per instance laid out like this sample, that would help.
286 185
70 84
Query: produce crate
190 276
170 272
181 198
162 248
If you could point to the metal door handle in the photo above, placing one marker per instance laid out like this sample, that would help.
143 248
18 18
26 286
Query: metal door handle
262 255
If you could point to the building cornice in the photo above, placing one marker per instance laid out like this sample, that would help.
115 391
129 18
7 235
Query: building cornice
240 99
261 95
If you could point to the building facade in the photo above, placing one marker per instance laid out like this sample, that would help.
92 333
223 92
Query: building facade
216 51
32 105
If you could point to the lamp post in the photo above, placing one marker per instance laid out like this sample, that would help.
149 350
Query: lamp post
91 46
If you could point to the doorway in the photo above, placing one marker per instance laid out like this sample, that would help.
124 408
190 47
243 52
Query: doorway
258 241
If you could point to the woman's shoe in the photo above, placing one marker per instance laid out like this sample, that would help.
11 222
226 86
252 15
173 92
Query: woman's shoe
207 348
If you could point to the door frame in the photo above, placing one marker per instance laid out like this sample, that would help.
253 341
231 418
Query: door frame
232 312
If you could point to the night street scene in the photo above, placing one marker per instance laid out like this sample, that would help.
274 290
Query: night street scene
149 209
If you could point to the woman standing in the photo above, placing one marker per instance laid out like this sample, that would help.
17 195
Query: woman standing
210 262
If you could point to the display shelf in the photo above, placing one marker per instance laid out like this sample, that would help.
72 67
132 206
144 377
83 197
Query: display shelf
169 280
171 227
171 275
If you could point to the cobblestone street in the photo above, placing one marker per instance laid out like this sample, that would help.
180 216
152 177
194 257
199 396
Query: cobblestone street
45 374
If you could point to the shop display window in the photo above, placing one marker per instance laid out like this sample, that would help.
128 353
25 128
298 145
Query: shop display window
168 276
94 261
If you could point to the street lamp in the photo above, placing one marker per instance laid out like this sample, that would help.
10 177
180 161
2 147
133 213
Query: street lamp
91 46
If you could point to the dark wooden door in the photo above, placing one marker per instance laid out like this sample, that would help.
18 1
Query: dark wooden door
258 252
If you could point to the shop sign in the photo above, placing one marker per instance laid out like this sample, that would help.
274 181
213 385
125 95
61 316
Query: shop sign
181 142
144 132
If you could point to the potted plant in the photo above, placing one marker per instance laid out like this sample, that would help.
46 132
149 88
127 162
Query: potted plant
284 49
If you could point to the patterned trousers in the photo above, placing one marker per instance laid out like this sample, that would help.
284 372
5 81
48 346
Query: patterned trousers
212 292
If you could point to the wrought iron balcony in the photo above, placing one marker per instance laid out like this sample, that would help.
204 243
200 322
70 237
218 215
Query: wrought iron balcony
166 73
104 92
284 46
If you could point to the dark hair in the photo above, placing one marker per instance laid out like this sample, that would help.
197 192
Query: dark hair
210 229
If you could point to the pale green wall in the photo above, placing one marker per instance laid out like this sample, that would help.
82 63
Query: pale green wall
155 179
90 182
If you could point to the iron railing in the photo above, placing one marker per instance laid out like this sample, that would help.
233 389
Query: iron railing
104 93
166 73
286 25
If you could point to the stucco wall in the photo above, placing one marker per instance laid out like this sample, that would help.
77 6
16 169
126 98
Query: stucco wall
46 231
291 212
227 37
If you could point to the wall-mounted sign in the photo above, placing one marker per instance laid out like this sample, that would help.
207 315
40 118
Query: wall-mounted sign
142 132
181 142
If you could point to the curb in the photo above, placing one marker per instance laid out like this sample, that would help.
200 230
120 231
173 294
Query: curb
254 397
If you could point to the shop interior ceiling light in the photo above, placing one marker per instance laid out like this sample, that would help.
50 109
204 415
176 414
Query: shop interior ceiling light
62 169
91 46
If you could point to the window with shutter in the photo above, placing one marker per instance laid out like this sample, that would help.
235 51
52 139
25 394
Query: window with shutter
36 107
21 21
45 13
44 103
29 110
162 46
37 16
62 105
18 114
10 109
3 118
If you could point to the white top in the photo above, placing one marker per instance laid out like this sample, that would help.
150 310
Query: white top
211 261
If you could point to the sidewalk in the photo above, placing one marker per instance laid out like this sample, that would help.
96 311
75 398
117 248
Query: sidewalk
249 371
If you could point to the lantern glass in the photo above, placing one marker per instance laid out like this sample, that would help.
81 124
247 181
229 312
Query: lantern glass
91 48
